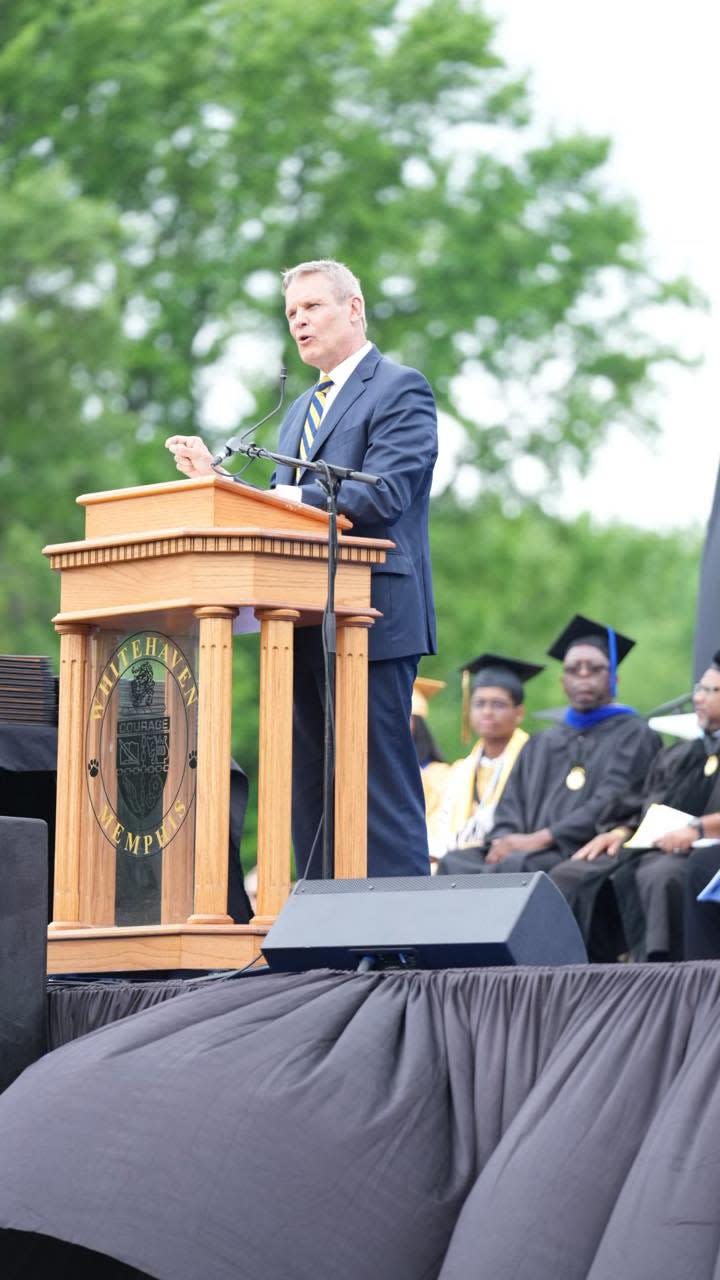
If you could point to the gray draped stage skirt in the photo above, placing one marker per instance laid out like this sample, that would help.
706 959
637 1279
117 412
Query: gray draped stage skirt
497 1124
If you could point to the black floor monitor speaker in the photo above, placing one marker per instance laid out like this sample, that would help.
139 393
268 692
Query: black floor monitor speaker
23 943
424 922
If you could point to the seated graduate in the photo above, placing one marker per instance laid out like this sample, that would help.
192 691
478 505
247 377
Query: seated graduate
565 775
642 892
493 709
433 765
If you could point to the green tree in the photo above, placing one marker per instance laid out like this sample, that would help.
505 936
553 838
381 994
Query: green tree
161 160
509 583
165 157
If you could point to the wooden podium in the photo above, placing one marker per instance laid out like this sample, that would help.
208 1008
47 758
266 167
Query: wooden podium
149 601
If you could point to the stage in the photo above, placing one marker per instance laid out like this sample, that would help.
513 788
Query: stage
513 1124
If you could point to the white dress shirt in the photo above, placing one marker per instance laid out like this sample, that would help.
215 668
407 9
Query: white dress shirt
339 375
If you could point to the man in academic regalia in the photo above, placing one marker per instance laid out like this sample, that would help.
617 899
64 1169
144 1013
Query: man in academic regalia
565 775
646 887
493 710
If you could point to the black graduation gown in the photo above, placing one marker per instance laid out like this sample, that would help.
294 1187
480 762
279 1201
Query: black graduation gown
647 886
701 920
537 795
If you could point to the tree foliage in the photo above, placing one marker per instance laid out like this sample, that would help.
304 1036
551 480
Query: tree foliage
510 583
162 160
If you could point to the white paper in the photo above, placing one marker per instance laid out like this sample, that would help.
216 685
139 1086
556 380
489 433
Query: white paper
289 492
658 821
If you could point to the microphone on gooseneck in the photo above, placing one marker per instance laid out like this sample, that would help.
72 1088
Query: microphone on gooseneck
233 445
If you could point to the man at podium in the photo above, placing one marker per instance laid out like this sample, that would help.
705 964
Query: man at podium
371 414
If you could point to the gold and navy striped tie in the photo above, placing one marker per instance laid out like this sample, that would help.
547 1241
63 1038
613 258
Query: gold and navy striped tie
315 412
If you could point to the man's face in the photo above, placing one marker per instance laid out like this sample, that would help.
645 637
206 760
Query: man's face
586 677
706 700
326 329
493 715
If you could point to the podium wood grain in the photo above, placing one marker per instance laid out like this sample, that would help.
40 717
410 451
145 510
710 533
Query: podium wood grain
192 553
351 747
275 761
212 797
70 810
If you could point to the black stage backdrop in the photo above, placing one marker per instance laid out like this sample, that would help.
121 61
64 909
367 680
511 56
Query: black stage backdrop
496 1124
707 627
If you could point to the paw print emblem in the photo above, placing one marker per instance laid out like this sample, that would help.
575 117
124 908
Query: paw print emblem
192 759
93 768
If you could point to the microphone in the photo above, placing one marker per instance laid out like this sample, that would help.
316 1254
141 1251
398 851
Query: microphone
233 445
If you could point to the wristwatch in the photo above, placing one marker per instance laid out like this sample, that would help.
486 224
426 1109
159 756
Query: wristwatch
699 826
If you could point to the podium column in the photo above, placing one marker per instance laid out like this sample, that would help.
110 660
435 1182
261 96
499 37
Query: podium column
351 747
212 792
275 761
70 773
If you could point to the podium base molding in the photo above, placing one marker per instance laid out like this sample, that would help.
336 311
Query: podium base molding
175 946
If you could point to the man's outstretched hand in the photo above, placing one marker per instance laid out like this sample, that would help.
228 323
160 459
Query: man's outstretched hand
191 455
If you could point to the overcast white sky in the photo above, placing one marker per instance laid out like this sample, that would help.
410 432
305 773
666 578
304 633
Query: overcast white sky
644 72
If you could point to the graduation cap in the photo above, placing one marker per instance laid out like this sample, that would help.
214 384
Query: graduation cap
582 630
423 690
494 669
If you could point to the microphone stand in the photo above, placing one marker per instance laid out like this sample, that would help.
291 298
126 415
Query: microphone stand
235 444
329 477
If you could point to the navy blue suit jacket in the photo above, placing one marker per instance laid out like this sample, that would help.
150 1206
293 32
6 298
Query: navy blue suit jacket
382 421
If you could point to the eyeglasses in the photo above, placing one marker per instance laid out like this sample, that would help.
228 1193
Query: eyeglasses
591 668
706 688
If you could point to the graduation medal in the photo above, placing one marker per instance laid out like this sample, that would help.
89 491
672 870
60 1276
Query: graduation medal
575 780
711 765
